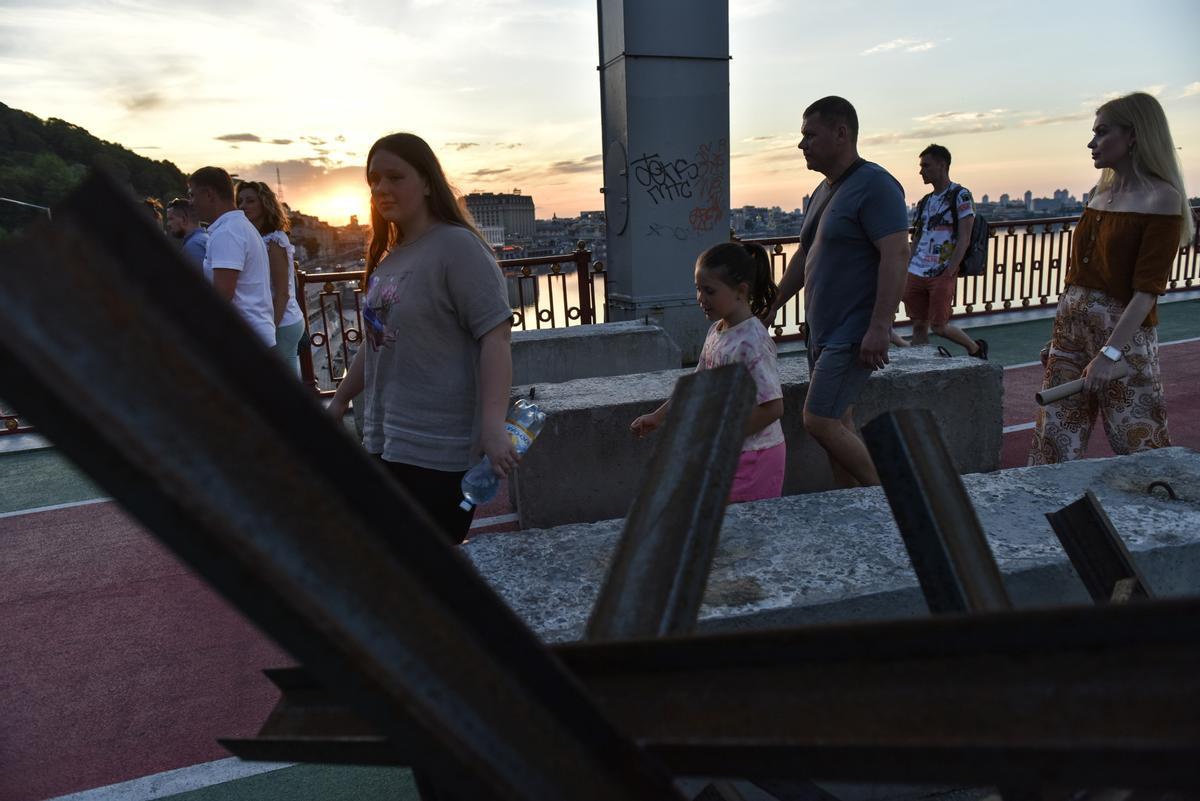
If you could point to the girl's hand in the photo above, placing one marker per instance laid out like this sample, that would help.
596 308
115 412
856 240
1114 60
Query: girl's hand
1100 371
498 448
646 424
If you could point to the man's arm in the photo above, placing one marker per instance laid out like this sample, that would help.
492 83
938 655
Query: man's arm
893 265
917 229
791 283
225 282
961 242
227 258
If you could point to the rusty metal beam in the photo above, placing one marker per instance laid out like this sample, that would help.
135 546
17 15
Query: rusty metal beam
1073 696
129 362
1097 551
656 581
941 531
1097 696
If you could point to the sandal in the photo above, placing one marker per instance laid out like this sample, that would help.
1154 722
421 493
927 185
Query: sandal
941 351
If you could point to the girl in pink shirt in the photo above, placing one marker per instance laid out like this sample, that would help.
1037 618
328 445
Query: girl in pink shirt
733 285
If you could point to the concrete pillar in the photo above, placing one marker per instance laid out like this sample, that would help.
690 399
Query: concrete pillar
664 81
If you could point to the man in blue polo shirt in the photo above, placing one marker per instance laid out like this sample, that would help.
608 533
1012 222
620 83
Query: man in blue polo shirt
183 225
851 263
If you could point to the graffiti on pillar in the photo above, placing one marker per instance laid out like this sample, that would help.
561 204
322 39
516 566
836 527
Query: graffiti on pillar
700 179
665 181
680 232
710 188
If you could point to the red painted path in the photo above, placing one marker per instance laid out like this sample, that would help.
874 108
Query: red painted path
1180 365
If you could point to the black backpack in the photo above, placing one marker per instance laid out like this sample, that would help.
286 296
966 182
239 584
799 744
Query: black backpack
975 259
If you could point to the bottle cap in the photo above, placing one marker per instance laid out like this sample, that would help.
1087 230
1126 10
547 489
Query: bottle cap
466 506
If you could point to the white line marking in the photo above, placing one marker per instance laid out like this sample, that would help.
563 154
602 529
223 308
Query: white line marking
71 505
1019 427
15 443
173 782
483 522
494 521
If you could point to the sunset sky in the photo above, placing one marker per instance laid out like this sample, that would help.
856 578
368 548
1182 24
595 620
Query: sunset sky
508 93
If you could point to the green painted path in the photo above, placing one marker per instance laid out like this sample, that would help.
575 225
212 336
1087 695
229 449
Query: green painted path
43 477
1019 343
313 783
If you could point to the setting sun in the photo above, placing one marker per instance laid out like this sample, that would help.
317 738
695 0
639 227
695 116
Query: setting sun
336 209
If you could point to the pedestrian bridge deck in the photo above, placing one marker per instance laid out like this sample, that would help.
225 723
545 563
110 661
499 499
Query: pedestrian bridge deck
96 609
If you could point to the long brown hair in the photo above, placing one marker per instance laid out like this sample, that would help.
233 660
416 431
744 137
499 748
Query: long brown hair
274 218
443 201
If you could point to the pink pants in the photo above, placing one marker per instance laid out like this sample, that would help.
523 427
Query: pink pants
759 474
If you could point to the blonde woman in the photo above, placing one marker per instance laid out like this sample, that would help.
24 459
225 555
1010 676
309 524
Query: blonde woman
265 212
1128 237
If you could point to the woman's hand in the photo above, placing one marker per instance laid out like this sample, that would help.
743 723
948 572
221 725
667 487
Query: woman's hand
337 409
350 387
1100 371
499 449
1045 354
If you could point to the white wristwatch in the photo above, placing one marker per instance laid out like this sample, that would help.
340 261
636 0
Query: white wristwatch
1111 353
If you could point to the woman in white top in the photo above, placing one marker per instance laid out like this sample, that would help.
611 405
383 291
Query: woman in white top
265 212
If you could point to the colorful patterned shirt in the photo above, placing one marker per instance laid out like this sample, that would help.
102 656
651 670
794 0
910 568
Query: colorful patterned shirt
932 254
748 342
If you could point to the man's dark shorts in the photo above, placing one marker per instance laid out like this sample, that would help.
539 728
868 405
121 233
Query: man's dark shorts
835 379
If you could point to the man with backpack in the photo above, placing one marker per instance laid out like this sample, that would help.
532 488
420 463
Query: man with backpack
947 241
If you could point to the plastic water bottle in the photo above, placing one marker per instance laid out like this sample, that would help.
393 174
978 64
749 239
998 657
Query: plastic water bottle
524 423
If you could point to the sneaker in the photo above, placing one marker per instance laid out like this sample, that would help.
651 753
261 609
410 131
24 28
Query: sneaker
983 349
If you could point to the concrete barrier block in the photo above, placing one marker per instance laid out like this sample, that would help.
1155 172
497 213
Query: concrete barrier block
837 556
586 466
555 355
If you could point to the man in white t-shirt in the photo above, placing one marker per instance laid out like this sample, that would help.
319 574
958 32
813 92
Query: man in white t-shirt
235 262
938 248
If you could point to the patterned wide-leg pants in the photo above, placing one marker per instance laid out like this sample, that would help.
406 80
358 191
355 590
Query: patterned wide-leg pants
1132 408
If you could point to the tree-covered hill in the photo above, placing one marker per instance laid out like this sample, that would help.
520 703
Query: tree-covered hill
41 161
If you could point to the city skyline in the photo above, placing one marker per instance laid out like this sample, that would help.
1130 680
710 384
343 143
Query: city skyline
984 198
512 99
